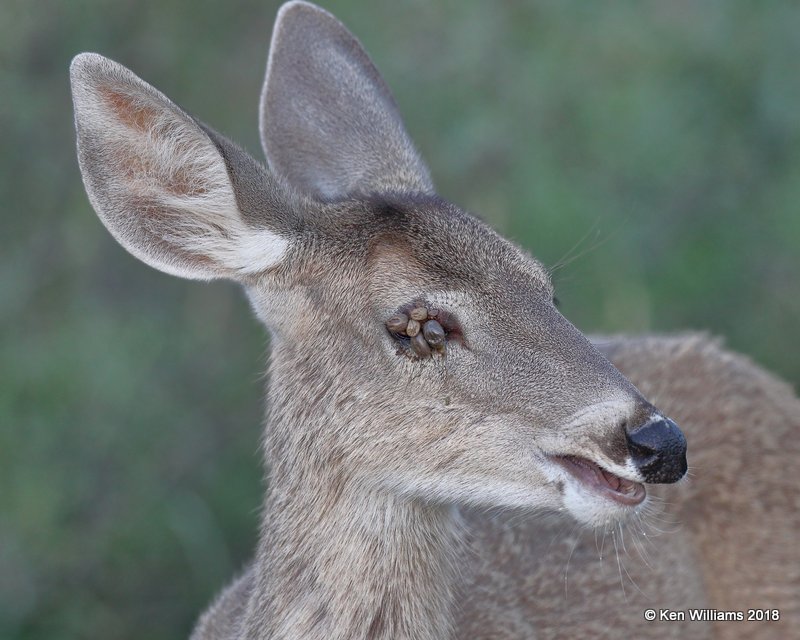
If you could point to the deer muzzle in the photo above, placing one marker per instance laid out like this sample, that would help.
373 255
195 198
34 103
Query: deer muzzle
658 449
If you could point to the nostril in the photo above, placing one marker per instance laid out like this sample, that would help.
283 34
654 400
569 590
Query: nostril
659 435
639 450
658 449
646 439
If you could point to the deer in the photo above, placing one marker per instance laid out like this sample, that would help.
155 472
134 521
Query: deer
448 456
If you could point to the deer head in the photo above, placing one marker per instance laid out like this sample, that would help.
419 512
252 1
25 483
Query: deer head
415 350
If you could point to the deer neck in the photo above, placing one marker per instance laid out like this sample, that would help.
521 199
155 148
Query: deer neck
340 558
371 567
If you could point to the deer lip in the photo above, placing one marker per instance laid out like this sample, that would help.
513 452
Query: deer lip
620 490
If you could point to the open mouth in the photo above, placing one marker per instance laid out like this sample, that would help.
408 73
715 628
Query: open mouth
620 490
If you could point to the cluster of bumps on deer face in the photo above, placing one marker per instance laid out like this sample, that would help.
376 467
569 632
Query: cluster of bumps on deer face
424 328
419 366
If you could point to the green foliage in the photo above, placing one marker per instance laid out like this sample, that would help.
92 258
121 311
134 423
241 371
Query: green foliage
663 139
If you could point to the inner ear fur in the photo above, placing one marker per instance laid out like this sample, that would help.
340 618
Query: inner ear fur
161 183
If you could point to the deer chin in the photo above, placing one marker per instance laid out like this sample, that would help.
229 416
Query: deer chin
619 495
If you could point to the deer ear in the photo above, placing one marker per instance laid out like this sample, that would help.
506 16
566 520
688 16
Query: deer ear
328 121
167 188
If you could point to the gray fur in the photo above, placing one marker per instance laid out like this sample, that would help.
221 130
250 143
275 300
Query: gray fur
416 498
332 122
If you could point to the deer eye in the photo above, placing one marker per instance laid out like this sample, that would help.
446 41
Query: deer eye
424 329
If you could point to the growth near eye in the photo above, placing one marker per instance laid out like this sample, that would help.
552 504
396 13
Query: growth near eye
419 323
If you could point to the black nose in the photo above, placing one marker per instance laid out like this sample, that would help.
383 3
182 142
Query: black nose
658 449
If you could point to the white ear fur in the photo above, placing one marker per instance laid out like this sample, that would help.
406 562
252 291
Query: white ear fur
157 180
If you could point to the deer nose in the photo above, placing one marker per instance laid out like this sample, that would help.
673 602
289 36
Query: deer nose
658 450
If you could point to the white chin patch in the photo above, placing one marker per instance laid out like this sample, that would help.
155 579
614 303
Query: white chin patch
593 509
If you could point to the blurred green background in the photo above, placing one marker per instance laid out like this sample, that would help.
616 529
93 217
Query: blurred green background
663 138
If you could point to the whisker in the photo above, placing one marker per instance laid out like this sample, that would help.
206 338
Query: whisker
597 546
569 558
603 542
622 538
641 551
642 540
571 255
627 573
619 567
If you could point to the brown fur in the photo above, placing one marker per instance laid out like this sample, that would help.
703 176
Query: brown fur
729 540
422 498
